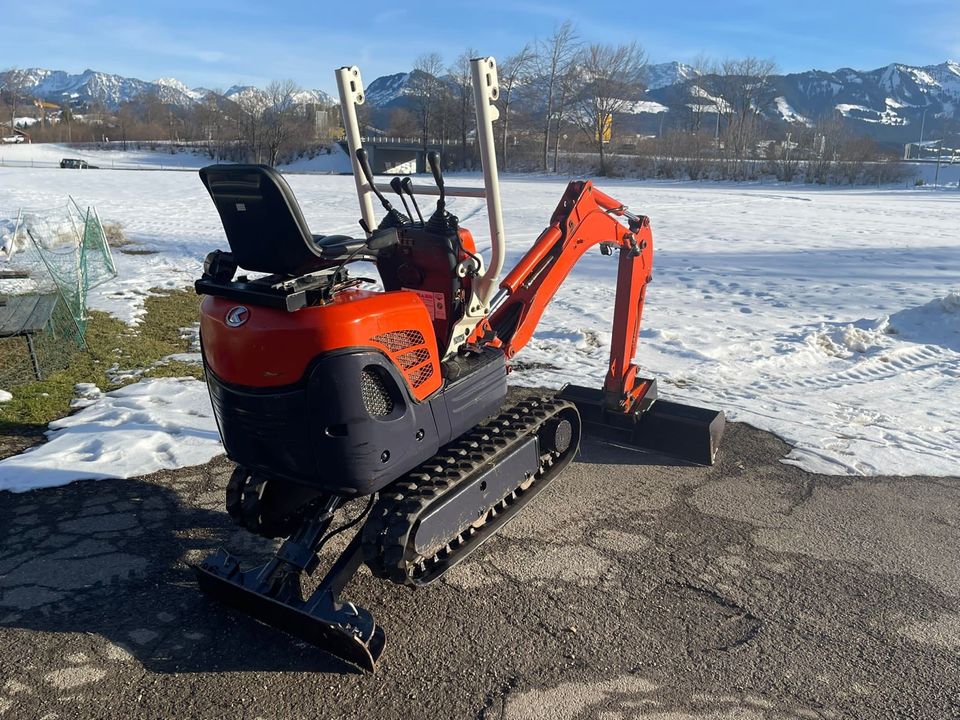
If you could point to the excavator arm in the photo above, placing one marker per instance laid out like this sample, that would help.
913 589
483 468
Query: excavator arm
585 217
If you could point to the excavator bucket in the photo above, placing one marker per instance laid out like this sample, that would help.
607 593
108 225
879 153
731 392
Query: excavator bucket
684 432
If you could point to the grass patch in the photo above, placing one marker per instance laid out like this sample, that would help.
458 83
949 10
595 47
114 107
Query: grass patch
111 343
113 231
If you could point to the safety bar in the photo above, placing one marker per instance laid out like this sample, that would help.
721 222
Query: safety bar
486 91
350 85
449 190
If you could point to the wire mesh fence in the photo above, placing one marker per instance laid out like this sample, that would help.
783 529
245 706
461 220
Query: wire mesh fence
49 261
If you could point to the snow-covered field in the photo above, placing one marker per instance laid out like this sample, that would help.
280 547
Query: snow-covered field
48 155
830 317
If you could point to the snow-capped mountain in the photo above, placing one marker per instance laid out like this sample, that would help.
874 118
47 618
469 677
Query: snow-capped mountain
384 90
88 87
670 73
390 91
313 97
92 87
891 95
175 86
252 96
247 95
887 103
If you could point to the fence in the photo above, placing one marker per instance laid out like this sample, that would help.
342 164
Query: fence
53 258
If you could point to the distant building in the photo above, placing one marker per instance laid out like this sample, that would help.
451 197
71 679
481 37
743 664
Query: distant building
13 135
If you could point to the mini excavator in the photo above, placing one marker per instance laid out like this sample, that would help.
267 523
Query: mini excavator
331 394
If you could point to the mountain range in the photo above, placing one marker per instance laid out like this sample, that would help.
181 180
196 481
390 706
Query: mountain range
92 87
888 103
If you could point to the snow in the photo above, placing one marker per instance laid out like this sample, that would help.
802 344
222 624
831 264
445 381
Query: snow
706 98
887 116
387 88
139 429
645 106
337 161
180 87
827 316
5 396
110 156
846 108
113 157
788 113
668 73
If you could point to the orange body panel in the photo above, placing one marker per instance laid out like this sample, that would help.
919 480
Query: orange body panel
466 240
273 347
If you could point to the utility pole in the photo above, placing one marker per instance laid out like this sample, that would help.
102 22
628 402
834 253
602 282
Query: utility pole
936 177
923 120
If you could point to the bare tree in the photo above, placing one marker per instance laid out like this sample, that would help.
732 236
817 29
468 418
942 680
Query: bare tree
463 97
614 76
13 81
402 123
211 119
425 90
514 73
280 115
700 103
554 56
568 87
744 88
250 124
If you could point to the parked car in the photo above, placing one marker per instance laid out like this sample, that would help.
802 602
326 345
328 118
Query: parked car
77 164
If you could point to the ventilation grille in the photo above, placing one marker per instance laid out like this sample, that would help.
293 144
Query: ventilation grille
419 376
409 351
413 358
399 339
376 399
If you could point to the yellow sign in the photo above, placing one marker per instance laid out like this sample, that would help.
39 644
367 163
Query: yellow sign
607 128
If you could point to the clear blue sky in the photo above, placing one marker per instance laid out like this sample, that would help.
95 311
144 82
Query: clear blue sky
224 42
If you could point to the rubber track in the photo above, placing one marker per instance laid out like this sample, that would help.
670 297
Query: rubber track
387 532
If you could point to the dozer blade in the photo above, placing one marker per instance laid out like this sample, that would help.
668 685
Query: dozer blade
344 630
685 432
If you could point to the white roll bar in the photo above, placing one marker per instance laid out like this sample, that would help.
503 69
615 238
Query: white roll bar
486 90
350 85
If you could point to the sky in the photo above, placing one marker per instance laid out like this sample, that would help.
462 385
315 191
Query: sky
219 43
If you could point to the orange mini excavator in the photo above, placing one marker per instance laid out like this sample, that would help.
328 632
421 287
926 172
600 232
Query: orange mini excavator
330 395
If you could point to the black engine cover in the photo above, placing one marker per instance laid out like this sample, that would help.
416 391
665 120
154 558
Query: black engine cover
351 426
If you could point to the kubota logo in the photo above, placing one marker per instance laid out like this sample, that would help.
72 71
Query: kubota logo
237 316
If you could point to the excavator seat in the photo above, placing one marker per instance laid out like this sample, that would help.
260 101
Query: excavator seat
264 225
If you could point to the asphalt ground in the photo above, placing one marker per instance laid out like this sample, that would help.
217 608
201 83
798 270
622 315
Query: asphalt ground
631 588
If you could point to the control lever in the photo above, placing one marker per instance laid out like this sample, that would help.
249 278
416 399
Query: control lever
407 185
395 184
382 239
440 214
395 217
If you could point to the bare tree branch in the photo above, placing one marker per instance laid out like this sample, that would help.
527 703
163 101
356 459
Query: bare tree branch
612 80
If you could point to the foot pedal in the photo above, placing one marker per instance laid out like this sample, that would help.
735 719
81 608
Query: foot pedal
685 432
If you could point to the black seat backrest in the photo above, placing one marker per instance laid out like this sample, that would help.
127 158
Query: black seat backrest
262 219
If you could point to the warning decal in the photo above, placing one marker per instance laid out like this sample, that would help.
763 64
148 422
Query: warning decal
434 301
